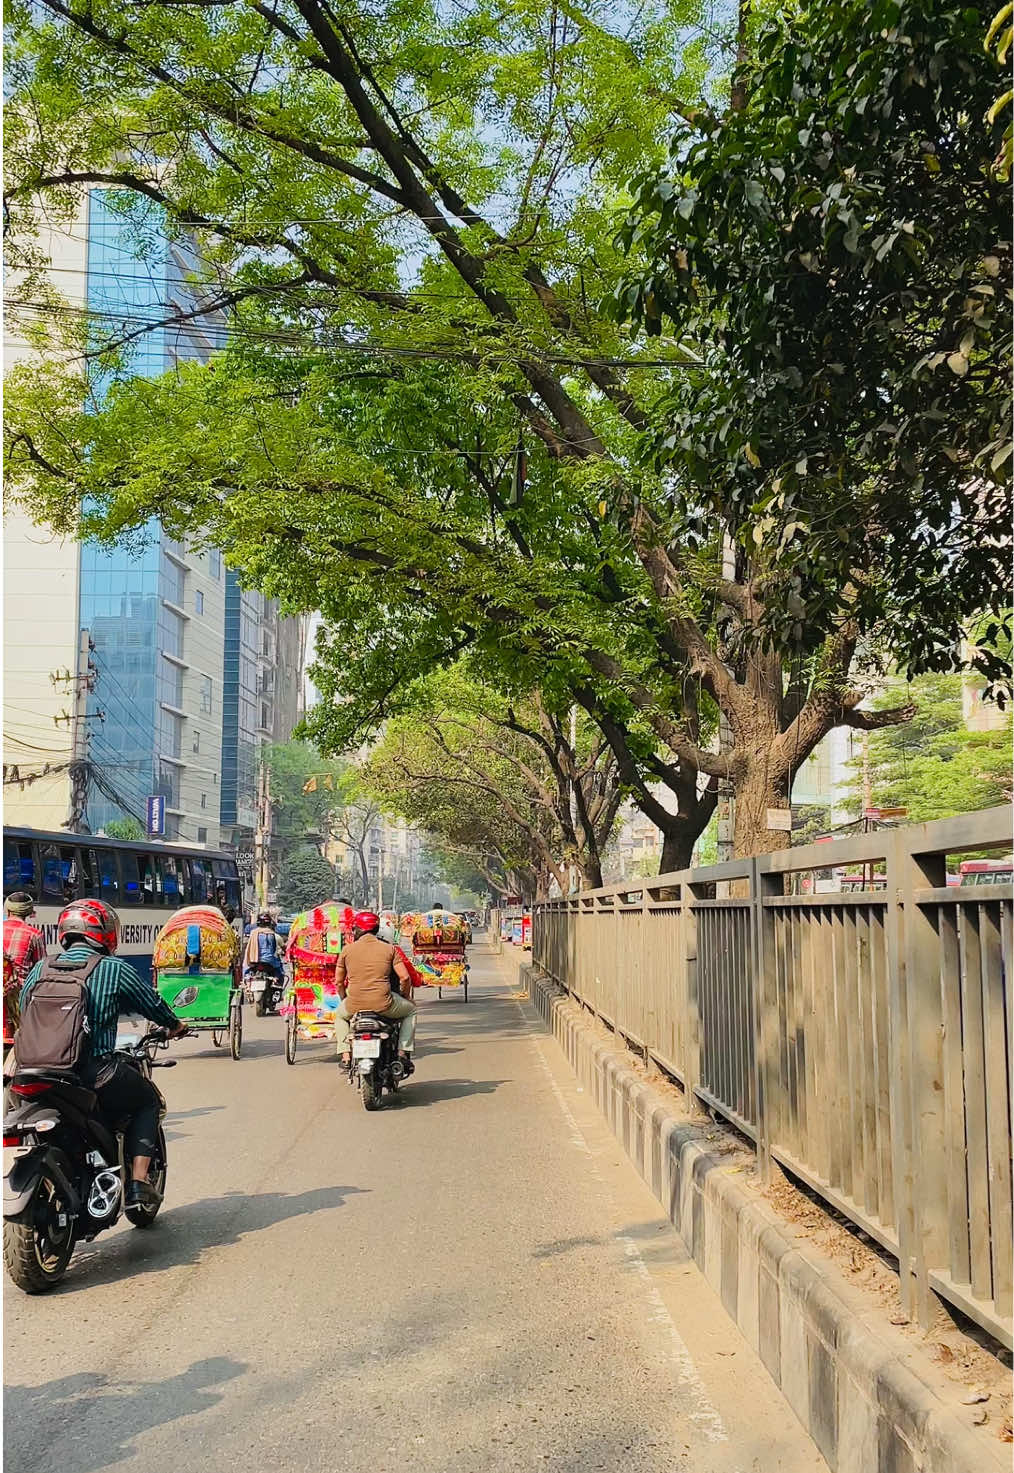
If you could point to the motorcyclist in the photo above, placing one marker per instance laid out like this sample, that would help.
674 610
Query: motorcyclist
113 988
365 976
262 949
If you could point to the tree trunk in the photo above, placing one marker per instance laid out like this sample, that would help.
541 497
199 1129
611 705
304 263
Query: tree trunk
677 847
757 790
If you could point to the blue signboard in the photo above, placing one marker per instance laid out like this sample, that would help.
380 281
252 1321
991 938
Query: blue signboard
155 814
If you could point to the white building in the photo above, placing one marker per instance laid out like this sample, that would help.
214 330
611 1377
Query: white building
167 685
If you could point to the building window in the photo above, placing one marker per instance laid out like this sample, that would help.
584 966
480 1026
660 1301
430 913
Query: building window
204 800
202 836
214 563
265 718
206 693
197 741
199 601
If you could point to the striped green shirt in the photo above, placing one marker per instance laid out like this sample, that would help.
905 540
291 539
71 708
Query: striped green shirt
112 989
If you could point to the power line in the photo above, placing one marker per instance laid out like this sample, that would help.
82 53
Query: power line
230 334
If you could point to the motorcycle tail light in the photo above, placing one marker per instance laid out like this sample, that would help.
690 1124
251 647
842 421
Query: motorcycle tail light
364 1035
29 1091
11 1140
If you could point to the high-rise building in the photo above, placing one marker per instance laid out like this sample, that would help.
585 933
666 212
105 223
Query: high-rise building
174 710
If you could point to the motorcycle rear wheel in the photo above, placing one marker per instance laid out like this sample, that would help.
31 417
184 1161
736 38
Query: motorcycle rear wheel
35 1257
259 1008
372 1089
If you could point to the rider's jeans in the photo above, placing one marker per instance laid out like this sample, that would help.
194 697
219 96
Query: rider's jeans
400 1008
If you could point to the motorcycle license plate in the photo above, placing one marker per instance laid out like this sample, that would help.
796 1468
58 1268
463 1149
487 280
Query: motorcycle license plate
366 1048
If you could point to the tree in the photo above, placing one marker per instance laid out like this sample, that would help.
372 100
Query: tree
125 828
935 767
305 878
428 429
502 785
840 250
299 815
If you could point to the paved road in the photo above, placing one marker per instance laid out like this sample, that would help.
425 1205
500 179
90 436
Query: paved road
473 1280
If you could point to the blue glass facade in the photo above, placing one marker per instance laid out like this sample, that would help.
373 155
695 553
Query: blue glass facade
122 594
239 704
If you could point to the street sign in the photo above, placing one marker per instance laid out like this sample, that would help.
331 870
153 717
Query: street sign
885 812
154 809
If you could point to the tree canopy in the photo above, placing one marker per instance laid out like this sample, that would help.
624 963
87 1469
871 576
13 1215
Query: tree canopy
401 224
935 766
504 785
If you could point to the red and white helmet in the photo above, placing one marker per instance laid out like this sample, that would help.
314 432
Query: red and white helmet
366 921
90 920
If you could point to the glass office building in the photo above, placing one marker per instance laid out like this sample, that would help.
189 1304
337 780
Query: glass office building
135 606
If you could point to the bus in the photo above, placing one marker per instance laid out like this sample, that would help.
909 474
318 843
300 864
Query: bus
145 882
986 871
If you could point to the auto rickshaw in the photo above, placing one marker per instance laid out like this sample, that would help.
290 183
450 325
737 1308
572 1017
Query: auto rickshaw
196 969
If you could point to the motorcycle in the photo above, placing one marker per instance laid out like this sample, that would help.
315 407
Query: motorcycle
375 1064
264 988
64 1169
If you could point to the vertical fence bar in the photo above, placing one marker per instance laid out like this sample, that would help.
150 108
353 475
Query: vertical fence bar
929 1165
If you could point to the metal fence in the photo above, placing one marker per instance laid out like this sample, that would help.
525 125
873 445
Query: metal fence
860 1039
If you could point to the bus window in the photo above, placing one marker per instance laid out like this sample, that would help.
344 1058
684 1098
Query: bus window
227 888
59 874
139 879
19 866
89 873
109 875
198 882
172 879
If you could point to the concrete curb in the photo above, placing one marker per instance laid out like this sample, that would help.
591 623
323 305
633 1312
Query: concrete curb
851 1380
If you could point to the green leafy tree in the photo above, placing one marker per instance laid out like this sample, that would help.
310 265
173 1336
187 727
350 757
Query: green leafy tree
299 815
407 219
125 828
304 879
935 767
493 780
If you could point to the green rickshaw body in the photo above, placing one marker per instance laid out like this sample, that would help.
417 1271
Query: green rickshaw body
196 965
201 997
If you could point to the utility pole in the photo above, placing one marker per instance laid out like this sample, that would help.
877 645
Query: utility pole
261 834
83 682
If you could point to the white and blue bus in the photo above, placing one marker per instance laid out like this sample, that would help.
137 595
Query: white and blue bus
145 882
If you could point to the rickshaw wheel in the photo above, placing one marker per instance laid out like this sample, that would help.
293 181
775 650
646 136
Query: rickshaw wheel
235 1028
291 1037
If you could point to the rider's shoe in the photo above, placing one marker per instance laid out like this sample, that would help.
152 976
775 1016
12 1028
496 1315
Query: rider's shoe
143 1194
407 1064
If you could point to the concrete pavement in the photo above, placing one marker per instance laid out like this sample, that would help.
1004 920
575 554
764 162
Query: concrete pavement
475 1279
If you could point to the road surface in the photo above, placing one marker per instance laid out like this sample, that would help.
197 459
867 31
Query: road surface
473 1280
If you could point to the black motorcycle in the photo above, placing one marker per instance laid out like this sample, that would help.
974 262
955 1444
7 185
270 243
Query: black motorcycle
264 988
375 1064
64 1169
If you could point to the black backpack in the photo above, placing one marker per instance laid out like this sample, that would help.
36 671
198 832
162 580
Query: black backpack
54 1024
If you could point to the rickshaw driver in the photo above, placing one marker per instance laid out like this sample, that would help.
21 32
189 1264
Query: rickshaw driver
364 976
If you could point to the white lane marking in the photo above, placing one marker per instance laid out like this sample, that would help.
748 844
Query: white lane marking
702 1410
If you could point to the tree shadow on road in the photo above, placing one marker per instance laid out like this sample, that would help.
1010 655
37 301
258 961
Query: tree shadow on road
184 1234
38 1418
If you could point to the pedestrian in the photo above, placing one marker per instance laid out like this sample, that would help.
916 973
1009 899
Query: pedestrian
24 945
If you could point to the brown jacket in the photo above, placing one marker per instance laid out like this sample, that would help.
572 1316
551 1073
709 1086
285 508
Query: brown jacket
365 975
